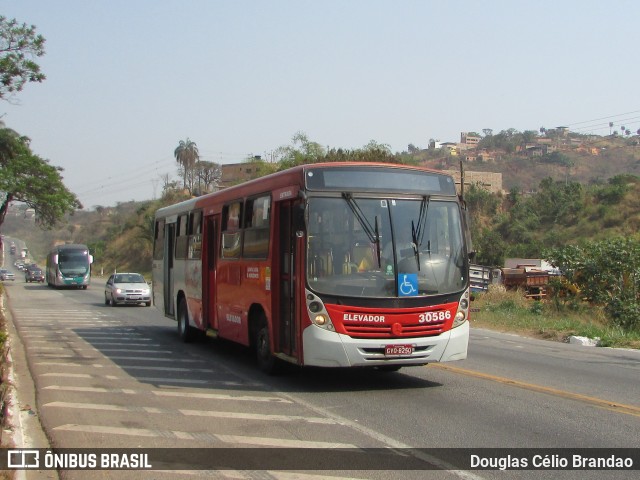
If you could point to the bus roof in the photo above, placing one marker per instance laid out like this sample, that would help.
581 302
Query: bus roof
288 177
69 246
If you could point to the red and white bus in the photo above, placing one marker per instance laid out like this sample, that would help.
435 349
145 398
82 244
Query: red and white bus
332 265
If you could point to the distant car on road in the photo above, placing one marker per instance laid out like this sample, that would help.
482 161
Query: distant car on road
6 275
33 275
127 288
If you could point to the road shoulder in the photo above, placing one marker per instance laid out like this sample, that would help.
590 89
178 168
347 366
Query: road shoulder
22 428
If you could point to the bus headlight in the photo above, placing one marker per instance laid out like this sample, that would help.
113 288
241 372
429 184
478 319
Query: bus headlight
320 320
459 319
315 307
317 312
463 310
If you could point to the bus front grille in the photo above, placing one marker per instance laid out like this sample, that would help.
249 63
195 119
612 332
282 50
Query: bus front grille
388 331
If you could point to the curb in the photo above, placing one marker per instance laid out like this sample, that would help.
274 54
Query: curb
22 428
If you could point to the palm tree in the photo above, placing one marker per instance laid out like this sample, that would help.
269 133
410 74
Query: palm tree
187 156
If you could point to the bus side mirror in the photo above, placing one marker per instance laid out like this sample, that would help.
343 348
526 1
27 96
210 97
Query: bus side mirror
90 258
55 259
298 217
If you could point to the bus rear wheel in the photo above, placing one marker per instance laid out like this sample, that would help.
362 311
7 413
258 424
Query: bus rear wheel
185 331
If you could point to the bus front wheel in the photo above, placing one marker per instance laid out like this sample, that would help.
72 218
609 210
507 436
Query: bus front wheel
266 360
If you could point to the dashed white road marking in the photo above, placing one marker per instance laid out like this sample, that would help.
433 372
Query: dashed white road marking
219 396
91 389
202 436
194 413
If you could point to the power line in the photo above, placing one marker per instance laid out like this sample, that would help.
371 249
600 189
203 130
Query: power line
127 174
603 118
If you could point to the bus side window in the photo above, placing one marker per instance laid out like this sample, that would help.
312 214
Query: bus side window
182 238
256 223
158 243
195 237
231 233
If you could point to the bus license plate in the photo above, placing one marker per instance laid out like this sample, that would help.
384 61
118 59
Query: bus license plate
396 350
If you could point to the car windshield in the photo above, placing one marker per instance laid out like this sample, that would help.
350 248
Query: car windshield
129 278
385 247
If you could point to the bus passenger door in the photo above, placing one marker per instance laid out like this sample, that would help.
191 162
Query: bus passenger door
286 328
209 254
169 238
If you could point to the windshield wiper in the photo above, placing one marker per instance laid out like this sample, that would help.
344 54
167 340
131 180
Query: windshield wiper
373 233
417 233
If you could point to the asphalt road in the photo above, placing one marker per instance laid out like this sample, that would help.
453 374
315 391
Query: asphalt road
118 377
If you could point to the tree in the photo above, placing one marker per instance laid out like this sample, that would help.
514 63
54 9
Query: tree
25 177
529 136
301 151
606 273
490 248
209 175
187 156
19 44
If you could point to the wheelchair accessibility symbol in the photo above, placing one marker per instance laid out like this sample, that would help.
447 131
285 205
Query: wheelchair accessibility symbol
408 284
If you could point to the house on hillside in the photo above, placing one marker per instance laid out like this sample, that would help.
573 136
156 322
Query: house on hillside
469 139
534 151
451 148
234 173
488 180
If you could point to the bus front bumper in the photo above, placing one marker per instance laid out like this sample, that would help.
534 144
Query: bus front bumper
323 348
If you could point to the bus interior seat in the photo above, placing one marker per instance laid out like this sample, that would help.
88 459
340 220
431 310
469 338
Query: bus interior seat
363 256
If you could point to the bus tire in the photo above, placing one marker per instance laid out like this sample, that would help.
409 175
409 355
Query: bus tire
185 331
267 363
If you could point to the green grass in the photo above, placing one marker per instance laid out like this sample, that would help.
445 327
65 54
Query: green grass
510 311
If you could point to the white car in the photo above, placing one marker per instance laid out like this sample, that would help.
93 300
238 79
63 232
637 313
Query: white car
7 275
127 288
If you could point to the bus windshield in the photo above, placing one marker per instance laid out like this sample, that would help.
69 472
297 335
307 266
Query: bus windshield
385 247
73 262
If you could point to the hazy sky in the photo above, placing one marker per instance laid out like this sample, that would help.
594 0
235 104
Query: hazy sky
128 79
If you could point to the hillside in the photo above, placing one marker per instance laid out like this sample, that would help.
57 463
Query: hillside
559 213
524 164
